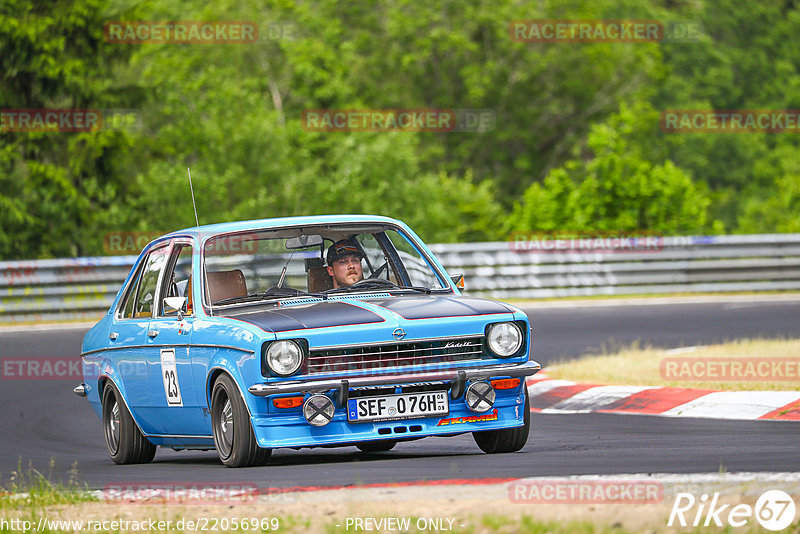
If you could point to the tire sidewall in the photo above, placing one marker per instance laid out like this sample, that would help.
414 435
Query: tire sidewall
242 431
508 439
110 396
217 403
133 446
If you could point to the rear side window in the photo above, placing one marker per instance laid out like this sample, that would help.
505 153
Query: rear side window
139 301
130 298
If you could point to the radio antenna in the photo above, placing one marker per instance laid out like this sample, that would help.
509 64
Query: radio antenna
193 203
197 221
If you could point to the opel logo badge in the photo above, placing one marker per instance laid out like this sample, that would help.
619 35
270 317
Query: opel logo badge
399 333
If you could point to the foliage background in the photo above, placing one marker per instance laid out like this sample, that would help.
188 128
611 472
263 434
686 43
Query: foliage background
577 143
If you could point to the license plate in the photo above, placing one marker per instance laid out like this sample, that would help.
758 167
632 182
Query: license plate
389 407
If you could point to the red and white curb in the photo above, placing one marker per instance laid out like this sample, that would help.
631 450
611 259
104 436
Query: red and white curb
564 396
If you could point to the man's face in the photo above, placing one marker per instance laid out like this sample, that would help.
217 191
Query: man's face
346 271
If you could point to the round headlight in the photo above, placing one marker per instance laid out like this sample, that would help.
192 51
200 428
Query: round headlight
284 357
504 339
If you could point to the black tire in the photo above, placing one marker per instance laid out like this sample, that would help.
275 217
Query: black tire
376 446
124 440
230 423
507 439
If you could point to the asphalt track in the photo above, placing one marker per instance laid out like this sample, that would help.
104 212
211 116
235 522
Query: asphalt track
44 426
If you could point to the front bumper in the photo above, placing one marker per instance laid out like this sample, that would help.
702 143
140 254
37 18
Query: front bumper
456 377
294 431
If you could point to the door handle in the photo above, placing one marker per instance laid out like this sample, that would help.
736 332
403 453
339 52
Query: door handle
113 336
152 333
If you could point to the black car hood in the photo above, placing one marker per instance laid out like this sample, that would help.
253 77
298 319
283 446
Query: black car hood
315 315
431 307
331 313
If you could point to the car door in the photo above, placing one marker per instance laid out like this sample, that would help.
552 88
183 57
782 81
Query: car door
128 339
170 360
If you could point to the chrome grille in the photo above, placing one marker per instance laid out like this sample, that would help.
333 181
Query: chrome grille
407 353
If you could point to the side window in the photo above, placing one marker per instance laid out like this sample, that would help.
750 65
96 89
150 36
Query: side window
146 292
130 297
177 282
376 260
420 273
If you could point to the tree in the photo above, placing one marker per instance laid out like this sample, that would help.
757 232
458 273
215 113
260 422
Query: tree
54 184
777 208
614 188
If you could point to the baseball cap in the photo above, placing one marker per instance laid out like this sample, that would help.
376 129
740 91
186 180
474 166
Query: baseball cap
343 247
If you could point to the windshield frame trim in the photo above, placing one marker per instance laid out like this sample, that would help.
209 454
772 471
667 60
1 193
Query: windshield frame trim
385 225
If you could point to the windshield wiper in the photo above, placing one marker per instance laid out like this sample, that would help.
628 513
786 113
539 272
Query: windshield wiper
270 294
421 289
240 298
367 283
279 291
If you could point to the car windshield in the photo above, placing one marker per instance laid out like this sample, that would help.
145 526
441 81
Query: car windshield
317 260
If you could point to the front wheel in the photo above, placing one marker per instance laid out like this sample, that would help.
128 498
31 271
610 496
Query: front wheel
124 440
507 439
230 423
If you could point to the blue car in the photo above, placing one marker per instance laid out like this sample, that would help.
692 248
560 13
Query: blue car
302 332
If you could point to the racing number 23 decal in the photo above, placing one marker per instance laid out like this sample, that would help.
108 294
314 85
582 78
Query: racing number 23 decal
169 374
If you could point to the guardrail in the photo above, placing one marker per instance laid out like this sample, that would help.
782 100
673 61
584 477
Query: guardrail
83 288
674 265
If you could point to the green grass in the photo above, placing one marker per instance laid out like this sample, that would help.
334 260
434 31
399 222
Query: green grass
28 489
635 366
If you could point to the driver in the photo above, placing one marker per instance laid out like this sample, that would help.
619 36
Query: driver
344 263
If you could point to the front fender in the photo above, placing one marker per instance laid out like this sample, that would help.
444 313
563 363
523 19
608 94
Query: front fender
237 365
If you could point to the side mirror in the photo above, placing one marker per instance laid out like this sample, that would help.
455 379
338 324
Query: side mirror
175 304
458 280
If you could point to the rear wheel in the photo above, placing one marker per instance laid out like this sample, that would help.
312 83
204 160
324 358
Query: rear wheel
507 439
376 446
230 423
124 440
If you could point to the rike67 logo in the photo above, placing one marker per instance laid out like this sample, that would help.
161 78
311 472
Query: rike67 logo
774 510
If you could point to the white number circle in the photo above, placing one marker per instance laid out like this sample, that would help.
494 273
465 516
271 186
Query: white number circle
775 510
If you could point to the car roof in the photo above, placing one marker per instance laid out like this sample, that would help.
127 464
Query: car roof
237 226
